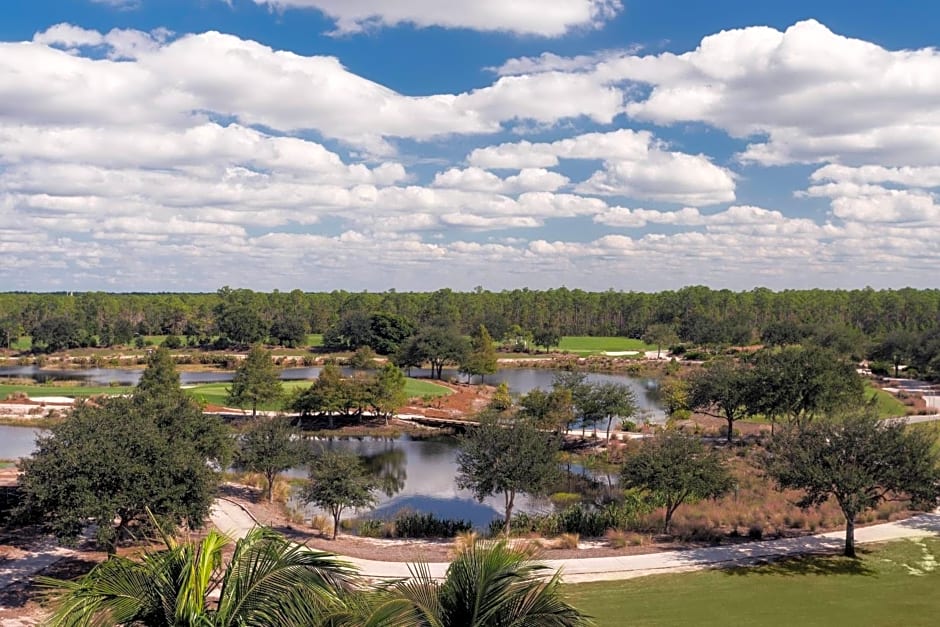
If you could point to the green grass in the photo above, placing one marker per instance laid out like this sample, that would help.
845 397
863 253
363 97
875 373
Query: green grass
217 393
314 340
887 404
71 391
877 590
421 388
586 345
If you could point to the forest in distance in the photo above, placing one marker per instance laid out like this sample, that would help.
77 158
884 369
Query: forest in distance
851 322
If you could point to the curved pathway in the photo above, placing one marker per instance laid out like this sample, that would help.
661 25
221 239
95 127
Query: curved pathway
232 518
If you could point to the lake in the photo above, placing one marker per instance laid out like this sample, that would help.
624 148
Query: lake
519 380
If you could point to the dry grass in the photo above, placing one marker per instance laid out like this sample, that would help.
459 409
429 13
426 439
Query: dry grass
463 541
757 509
618 539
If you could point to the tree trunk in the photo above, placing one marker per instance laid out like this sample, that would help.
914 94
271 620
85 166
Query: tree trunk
730 428
336 515
849 536
670 510
254 410
609 420
270 477
510 496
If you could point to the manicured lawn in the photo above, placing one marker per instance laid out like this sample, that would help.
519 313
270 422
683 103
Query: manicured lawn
887 404
217 393
61 390
893 584
583 344
421 388
314 340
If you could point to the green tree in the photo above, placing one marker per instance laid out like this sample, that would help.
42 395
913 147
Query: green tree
112 460
673 469
800 383
339 480
549 410
481 358
441 345
268 580
660 335
270 447
56 334
859 462
239 316
256 381
489 584
896 347
547 338
507 457
408 355
721 390
609 400
388 391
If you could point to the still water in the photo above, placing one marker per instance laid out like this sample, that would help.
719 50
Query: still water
413 474
519 380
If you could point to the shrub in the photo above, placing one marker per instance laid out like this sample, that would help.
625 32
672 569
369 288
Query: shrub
568 541
584 520
880 368
372 528
627 425
425 525
172 342
755 532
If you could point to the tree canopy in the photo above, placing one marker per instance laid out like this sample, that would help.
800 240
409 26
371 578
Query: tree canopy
337 481
256 381
507 456
114 459
269 446
859 462
674 468
721 389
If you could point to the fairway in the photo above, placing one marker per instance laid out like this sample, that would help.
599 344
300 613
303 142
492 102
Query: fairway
892 584
217 393
586 345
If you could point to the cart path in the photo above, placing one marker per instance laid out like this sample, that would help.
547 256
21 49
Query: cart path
234 520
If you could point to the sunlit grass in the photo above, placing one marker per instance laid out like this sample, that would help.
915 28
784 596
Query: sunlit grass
892 584
583 344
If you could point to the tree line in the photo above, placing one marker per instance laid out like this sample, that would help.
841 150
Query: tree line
697 314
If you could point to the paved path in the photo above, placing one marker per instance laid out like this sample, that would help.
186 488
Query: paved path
36 559
231 518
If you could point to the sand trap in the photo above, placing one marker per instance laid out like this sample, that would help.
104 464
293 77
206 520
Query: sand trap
620 353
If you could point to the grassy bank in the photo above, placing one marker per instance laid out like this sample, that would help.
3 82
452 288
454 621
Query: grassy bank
217 393
892 584
586 345
887 404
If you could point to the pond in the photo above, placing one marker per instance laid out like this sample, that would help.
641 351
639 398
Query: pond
413 474
419 475
519 380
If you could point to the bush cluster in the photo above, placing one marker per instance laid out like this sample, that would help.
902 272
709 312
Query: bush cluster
584 520
408 524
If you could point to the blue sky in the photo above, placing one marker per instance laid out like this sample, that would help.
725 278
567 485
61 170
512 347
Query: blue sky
418 144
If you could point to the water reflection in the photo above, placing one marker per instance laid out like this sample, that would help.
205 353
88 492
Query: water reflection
519 380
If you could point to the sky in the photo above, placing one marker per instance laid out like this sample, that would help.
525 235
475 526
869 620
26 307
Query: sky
183 145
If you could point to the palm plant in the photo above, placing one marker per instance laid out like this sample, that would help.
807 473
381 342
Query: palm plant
489 584
269 580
